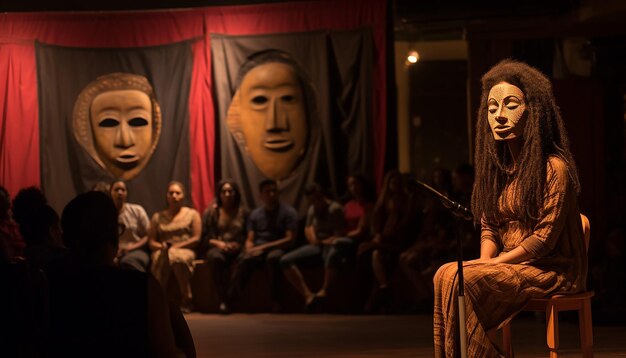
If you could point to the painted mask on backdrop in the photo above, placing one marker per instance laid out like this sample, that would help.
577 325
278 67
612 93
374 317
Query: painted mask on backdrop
268 116
117 120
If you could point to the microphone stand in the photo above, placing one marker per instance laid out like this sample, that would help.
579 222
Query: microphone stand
460 212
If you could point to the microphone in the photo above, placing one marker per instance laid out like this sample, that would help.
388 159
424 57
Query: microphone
456 208
460 211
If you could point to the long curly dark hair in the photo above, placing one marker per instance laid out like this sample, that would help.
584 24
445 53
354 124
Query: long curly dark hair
543 136
236 192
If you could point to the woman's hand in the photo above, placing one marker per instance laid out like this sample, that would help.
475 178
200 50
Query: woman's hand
255 251
234 246
219 244
482 260
328 241
517 255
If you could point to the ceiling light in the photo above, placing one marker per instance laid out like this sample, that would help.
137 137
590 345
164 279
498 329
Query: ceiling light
413 57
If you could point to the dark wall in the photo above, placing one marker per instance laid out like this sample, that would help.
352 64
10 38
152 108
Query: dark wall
438 115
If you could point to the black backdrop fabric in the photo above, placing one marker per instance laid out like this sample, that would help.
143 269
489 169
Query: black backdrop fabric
339 65
63 72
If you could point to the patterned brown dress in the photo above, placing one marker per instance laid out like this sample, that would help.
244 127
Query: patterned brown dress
178 261
496 292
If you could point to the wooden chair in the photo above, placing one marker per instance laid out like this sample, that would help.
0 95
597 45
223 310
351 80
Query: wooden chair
552 306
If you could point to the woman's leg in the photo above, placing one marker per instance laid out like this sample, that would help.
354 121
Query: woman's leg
379 296
182 268
160 267
219 266
493 292
378 266
135 260
409 262
336 255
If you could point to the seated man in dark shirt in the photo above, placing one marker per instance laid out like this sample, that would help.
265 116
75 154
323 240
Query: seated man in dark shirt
271 229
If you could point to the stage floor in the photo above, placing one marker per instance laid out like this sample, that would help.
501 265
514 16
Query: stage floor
299 335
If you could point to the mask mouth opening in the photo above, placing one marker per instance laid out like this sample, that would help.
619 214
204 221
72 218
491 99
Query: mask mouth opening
127 161
278 143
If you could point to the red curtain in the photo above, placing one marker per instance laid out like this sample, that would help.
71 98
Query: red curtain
19 127
19 133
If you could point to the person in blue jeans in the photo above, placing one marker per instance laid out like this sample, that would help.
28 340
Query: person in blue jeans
325 234
271 229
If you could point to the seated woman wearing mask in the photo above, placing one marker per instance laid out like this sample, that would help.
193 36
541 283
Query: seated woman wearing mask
525 198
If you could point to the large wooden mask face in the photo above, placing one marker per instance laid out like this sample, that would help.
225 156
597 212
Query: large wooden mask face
268 116
117 121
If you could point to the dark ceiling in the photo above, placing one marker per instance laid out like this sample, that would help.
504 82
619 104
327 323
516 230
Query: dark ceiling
410 11
413 19
430 12
108 5
435 20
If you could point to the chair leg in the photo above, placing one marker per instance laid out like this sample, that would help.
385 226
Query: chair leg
552 329
586 329
507 345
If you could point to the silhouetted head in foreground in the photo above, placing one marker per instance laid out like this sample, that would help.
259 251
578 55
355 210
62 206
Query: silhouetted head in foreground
90 228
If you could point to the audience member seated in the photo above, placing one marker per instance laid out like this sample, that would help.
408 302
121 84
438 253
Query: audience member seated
40 227
462 184
42 234
5 257
414 205
436 241
325 234
23 308
358 209
14 243
430 250
389 222
133 226
462 187
272 230
26 202
97 309
442 181
174 233
25 285
224 230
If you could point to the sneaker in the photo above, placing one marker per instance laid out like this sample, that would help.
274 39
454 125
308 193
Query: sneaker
310 304
224 309
186 309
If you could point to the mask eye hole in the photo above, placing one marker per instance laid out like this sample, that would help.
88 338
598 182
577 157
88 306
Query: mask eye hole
288 98
259 100
108 123
138 122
